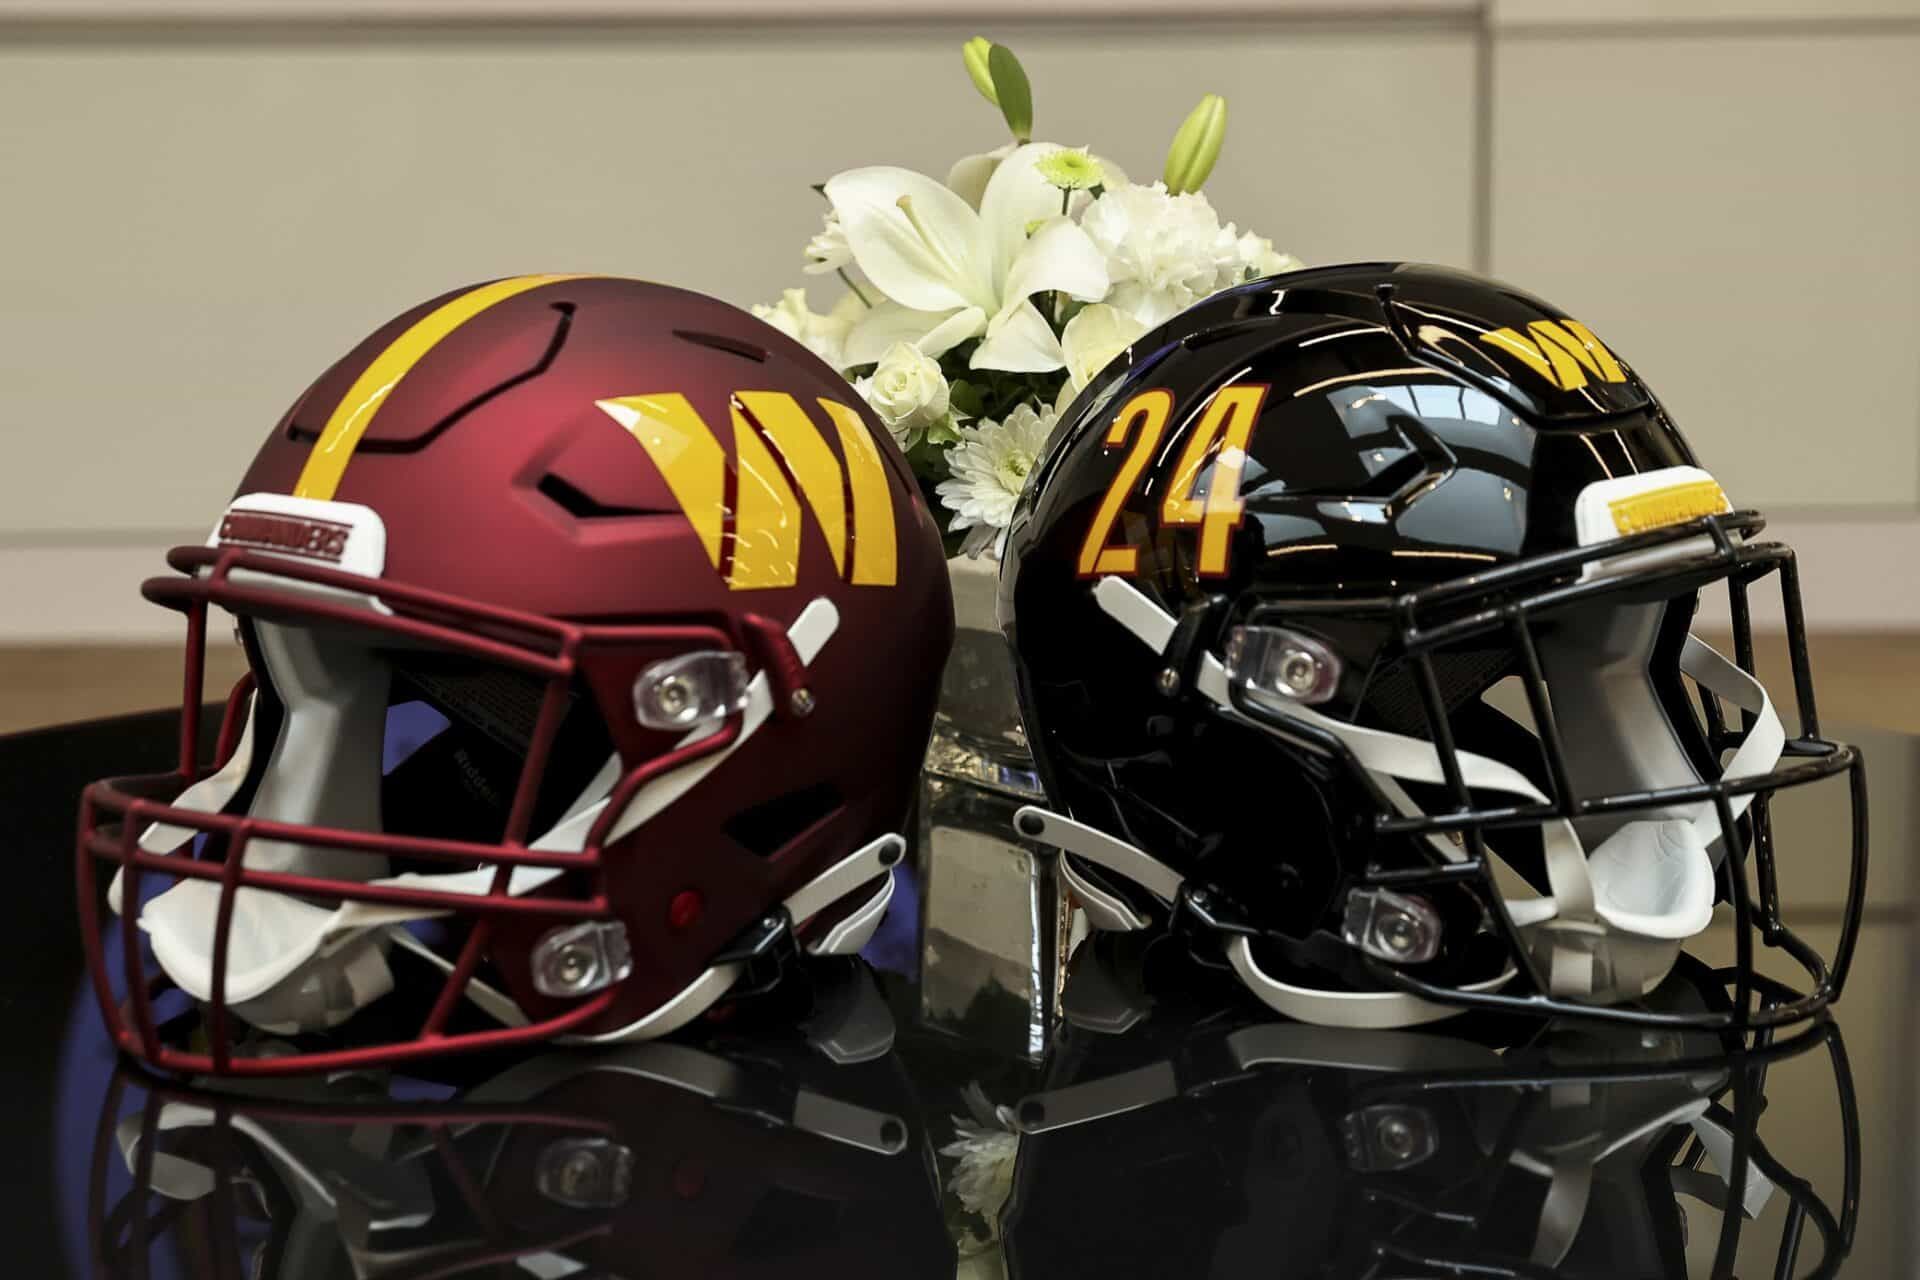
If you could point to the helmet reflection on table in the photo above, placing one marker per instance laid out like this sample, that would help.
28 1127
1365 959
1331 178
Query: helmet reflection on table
561 597
1270 588
1181 1137
736 1155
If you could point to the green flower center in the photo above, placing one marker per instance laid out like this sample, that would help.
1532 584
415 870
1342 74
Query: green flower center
1013 468
1070 170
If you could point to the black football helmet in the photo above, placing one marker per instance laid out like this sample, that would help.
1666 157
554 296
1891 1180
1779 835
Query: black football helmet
1180 1137
1344 586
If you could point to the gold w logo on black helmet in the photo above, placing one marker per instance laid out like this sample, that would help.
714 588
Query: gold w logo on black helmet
1563 352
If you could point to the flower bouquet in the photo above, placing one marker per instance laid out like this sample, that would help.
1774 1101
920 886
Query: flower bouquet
976 308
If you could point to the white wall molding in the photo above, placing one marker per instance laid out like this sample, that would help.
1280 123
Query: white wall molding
890 12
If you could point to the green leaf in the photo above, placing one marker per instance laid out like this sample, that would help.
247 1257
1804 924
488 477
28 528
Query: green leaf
929 463
1012 91
943 433
966 397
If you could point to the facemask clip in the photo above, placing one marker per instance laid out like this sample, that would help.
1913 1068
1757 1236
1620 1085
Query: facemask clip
693 689
1277 666
585 1173
1387 1138
580 959
1390 926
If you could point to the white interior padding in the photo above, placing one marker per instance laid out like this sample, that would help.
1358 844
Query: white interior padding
294 964
1612 925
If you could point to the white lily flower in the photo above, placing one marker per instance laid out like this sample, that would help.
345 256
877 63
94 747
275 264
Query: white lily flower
954 273
970 174
827 251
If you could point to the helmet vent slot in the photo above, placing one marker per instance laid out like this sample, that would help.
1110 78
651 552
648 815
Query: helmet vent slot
721 342
584 506
767 828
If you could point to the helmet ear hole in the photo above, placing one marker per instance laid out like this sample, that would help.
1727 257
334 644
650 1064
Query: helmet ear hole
768 827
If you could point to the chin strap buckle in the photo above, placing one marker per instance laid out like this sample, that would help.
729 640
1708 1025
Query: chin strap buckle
766 950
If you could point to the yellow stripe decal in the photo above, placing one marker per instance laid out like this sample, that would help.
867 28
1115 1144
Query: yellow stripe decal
875 553
1675 504
320 478
766 516
688 457
799 442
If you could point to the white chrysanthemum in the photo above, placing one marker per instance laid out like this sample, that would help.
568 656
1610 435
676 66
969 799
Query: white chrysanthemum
983 1179
1164 252
824 335
990 466
828 250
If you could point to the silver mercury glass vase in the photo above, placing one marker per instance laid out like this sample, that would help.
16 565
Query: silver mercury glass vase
997 921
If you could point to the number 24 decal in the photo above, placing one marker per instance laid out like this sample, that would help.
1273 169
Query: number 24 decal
1220 437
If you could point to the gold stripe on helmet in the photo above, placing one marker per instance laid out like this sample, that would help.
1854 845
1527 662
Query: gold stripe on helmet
320 477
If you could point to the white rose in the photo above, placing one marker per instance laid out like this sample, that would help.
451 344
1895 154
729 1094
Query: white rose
828 250
824 335
908 391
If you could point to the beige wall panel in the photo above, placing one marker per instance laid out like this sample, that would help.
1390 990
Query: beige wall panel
196 230
1736 215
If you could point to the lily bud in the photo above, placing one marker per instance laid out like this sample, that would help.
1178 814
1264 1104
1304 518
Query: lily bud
974 53
1197 145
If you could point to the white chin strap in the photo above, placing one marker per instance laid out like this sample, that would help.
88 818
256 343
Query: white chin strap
1615 919
296 965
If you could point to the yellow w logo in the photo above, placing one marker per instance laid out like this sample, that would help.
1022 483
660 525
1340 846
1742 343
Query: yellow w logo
773 438
1564 352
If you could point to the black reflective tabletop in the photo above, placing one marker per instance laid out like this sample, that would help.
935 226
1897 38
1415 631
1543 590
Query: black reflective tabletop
907 1114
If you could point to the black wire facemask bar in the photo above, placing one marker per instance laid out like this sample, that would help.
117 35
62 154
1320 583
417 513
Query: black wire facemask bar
1506 604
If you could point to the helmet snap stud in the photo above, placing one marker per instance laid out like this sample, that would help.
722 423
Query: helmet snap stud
685 909
802 702
573 964
1167 682
1397 932
1395 1136
673 695
1299 670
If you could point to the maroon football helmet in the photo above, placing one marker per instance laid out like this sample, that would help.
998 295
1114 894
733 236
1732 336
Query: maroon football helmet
594 631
